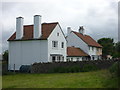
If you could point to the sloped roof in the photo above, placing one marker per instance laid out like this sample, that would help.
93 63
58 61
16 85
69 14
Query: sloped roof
47 28
73 51
87 39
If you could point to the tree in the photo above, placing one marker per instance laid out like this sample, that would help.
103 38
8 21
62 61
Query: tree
117 47
5 55
108 46
116 53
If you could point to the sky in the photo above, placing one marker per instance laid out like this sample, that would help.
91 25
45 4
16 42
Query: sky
99 17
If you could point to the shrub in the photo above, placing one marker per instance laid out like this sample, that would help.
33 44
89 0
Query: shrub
67 69
25 68
89 67
115 69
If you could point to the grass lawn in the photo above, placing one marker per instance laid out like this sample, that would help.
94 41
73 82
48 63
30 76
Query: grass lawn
95 79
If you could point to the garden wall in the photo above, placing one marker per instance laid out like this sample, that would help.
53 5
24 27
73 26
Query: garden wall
79 66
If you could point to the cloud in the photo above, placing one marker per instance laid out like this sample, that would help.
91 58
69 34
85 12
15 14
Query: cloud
99 17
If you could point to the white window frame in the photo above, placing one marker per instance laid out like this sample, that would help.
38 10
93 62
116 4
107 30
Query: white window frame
54 44
62 44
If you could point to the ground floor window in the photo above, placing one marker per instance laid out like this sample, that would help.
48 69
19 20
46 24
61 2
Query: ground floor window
57 58
63 58
53 58
71 59
77 59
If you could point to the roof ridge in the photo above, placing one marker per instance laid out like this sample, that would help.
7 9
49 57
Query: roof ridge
50 23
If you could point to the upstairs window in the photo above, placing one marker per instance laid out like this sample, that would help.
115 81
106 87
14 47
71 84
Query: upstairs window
55 44
57 34
97 49
62 45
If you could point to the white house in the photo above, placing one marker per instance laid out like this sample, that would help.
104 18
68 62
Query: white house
85 43
36 43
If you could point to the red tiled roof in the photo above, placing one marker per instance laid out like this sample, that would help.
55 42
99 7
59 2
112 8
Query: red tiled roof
73 51
87 39
47 28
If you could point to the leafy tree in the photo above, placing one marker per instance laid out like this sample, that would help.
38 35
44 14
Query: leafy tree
117 47
108 45
116 53
5 55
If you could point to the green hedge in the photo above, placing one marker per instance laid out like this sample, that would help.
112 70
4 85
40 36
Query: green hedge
115 69
71 69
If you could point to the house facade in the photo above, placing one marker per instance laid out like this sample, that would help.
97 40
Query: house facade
84 42
41 42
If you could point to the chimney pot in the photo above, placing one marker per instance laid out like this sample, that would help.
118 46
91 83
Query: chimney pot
81 30
68 30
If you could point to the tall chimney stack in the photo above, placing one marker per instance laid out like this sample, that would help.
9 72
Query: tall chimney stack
68 30
19 27
37 26
81 30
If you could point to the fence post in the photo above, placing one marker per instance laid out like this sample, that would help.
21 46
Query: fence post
14 68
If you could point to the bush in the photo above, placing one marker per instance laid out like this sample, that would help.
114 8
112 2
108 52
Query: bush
71 69
25 68
88 67
115 69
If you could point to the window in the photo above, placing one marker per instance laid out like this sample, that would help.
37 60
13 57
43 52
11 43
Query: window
58 58
68 59
53 58
89 48
63 58
77 59
57 34
54 43
62 45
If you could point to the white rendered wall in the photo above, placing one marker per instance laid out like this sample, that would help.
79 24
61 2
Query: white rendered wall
75 58
27 52
74 40
93 51
53 37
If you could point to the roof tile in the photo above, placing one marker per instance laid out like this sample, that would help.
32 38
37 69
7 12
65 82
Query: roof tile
87 39
73 51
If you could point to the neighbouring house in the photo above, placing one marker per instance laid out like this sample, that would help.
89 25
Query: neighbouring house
36 43
85 43
76 54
